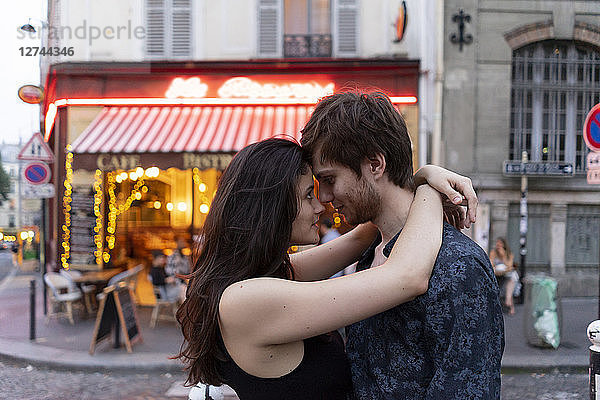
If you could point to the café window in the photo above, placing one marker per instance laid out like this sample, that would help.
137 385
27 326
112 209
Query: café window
169 29
158 210
307 28
554 85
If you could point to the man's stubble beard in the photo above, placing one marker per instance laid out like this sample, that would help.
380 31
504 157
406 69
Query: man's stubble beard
366 203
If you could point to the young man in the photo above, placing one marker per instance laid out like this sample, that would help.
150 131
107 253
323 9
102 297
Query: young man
445 344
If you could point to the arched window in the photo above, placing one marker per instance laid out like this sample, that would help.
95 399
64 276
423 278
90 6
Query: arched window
554 85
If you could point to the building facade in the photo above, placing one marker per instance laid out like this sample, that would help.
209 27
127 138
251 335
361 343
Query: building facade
523 79
202 78
13 215
229 30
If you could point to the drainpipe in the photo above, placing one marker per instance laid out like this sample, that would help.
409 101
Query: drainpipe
436 142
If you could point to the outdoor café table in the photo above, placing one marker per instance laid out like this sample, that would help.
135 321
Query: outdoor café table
98 278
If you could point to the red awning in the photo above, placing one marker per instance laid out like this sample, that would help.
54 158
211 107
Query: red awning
206 128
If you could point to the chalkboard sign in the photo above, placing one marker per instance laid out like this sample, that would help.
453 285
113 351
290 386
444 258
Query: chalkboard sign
116 311
82 226
126 310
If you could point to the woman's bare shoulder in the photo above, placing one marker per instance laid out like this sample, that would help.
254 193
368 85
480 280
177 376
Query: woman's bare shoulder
243 296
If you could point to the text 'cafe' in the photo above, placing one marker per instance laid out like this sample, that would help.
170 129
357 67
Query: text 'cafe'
140 146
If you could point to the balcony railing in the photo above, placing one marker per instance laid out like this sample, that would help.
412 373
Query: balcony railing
304 46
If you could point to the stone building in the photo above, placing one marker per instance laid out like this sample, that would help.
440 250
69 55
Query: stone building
523 79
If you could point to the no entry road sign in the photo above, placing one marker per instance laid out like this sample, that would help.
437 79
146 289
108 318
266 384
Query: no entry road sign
37 173
591 129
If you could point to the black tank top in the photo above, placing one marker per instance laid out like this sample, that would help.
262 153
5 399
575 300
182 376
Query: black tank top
323 374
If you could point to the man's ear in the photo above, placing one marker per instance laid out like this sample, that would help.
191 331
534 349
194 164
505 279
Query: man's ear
375 165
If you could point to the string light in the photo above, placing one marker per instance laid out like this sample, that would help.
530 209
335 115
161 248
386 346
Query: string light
152 172
337 220
115 210
203 198
67 199
98 195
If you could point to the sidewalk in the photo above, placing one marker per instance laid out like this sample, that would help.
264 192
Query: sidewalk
59 344
573 352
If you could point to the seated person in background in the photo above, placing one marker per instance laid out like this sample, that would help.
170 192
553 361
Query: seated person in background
327 233
178 263
503 262
170 288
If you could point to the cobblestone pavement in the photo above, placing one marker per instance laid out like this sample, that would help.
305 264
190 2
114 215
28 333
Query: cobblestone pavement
20 381
551 386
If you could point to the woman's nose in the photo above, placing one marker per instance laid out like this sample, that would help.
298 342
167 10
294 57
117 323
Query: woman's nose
319 207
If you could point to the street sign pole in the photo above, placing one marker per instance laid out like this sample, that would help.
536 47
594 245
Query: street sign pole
42 240
523 225
591 136
37 173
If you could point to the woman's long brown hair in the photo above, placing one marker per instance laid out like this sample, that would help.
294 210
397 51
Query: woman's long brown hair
246 235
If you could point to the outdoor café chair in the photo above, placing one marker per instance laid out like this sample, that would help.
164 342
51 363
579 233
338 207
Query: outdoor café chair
162 302
87 290
61 304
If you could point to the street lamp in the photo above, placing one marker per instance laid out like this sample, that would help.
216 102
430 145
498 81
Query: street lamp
30 28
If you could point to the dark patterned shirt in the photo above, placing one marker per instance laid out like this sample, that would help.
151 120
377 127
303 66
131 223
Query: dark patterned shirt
445 344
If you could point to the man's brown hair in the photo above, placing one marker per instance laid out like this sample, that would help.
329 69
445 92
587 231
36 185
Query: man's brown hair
353 125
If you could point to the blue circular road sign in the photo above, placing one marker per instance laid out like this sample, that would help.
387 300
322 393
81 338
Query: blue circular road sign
37 173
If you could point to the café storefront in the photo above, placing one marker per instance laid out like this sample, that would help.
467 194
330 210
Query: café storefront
140 146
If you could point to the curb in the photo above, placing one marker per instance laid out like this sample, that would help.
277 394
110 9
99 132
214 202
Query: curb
522 364
45 356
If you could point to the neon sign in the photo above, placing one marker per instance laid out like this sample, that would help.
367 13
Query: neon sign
246 88
187 88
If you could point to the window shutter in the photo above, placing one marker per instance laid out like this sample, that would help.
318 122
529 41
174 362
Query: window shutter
345 25
181 25
156 28
270 30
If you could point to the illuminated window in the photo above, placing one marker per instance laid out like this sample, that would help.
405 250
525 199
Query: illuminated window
307 17
307 28
169 30
554 85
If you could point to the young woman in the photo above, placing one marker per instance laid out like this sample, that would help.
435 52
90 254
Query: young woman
259 319
503 262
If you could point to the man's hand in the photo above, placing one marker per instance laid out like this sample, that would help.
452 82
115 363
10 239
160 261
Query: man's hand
458 189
